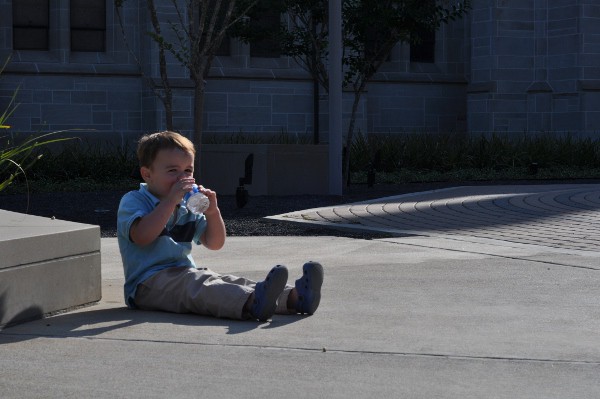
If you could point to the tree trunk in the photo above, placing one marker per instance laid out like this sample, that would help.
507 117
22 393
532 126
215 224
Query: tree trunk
315 83
316 111
349 137
168 104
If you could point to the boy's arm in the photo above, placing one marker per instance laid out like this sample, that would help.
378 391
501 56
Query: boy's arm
215 233
146 229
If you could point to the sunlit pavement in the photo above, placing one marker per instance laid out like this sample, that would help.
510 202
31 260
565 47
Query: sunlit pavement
477 292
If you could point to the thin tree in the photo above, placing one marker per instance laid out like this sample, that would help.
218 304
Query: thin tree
164 92
302 36
370 30
198 29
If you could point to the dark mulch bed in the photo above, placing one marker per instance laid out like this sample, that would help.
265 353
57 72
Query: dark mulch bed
100 208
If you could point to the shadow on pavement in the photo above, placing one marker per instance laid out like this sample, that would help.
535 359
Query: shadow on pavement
28 314
96 322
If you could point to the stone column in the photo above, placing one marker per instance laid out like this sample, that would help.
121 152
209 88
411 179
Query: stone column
539 93
502 65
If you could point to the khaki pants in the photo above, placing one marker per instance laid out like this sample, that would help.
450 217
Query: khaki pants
201 291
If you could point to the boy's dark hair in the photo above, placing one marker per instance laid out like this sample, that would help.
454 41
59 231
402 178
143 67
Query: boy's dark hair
150 144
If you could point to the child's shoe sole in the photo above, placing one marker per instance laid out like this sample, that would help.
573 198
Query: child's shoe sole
266 293
309 288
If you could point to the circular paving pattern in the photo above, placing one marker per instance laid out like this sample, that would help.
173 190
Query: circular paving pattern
558 216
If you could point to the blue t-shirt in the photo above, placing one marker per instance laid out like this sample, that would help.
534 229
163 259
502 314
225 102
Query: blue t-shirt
172 248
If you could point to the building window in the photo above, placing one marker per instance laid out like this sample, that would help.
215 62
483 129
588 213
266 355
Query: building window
268 24
88 25
30 24
424 51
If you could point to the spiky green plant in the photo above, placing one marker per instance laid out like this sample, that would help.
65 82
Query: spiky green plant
15 158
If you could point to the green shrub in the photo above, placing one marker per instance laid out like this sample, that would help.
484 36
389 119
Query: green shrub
79 159
396 158
16 156
432 156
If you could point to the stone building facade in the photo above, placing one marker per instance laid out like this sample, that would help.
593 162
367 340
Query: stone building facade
508 66
534 66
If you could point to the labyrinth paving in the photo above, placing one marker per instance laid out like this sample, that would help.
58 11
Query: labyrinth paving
564 217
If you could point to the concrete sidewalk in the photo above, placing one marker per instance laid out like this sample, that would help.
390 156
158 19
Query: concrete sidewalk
442 312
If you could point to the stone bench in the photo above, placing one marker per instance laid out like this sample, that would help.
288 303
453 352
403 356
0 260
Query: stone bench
46 266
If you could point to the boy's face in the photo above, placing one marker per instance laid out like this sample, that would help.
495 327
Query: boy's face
169 166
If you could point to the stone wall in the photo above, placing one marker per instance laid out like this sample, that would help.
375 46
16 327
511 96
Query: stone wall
509 66
108 94
534 66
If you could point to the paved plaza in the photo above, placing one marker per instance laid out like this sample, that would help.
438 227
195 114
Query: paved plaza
476 292
554 216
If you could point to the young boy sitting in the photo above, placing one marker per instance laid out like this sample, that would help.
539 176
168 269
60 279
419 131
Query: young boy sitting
155 233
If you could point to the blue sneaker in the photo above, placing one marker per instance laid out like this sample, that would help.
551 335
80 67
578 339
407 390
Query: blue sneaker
309 288
266 293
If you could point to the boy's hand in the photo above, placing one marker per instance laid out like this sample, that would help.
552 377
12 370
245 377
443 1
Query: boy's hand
212 197
179 189
214 235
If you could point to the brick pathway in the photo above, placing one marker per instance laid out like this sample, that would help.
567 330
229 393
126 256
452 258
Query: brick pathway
564 217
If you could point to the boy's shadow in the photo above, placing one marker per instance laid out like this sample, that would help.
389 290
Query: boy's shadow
92 322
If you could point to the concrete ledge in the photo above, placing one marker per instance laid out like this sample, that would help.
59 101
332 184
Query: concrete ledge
46 266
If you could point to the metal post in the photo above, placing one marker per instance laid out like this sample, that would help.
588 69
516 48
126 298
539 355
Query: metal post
335 97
